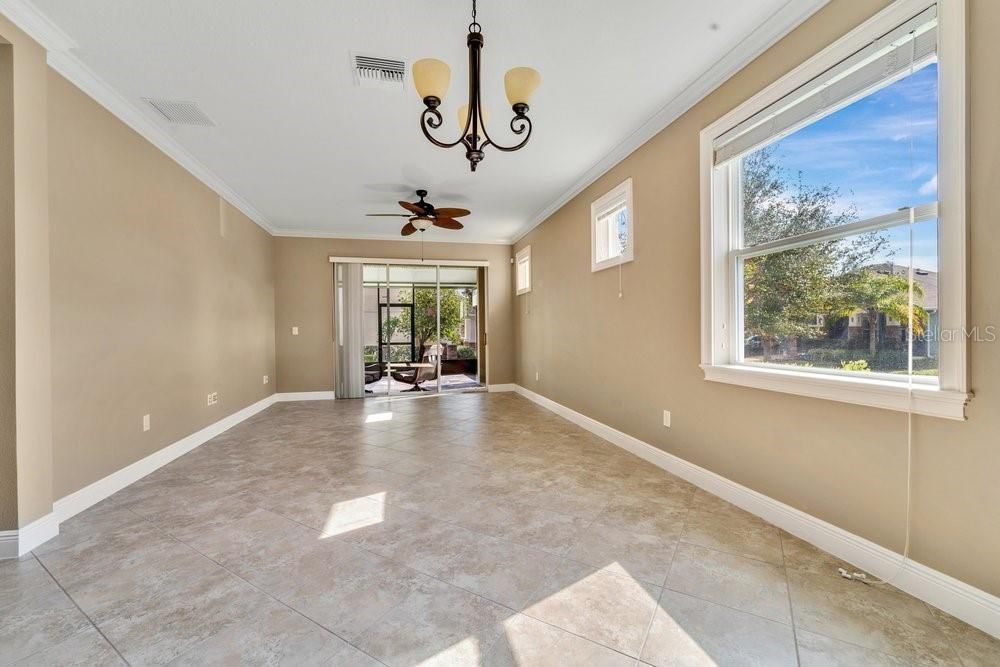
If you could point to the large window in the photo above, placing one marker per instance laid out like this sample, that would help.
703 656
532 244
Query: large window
611 237
825 243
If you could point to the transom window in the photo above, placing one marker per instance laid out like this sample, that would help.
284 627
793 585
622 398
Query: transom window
611 237
825 244
522 270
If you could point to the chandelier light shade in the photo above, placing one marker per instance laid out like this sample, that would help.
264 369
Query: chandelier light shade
431 78
520 84
463 117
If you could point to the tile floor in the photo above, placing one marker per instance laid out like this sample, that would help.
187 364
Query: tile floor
465 529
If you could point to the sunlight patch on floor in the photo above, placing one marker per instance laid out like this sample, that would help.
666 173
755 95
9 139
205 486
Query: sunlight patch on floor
464 652
353 514
378 417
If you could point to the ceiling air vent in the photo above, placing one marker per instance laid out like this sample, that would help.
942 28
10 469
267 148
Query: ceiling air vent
378 72
180 113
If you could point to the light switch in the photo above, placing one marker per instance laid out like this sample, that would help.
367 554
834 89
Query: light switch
145 423
295 331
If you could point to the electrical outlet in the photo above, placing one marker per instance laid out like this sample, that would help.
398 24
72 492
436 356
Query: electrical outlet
666 418
295 331
267 379
145 423
213 398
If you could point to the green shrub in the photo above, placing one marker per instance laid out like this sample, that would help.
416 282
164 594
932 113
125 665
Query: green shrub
884 361
855 365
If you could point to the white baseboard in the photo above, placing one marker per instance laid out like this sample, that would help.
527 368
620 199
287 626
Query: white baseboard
970 604
92 494
493 388
8 544
37 532
304 396
40 531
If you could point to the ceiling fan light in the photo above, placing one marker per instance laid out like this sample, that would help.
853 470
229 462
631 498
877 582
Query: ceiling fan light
520 83
421 223
431 78
463 118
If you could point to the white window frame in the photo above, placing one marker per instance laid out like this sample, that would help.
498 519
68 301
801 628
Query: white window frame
620 194
721 327
523 256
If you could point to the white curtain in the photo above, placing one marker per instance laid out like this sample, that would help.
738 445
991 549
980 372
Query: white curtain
349 316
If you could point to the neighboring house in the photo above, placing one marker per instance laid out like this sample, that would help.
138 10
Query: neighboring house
853 332
925 345
469 328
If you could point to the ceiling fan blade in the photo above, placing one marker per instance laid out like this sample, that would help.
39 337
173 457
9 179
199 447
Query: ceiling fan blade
448 223
451 212
412 208
408 229
387 215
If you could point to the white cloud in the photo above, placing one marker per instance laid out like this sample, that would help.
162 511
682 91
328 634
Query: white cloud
929 187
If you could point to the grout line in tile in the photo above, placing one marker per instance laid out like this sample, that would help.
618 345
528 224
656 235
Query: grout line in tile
937 623
719 604
791 607
375 553
666 577
258 589
730 553
80 609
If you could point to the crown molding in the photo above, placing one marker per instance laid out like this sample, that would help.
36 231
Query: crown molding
58 45
413 238
779 24
77 73
28 18
36 25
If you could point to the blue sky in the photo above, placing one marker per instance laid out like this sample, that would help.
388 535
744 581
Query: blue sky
880 152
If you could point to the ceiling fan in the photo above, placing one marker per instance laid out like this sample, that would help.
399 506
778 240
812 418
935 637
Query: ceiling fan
422 215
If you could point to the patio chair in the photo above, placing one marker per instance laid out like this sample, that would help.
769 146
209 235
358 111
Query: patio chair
373 373
417 376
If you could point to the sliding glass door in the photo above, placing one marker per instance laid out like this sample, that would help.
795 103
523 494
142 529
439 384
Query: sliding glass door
421 328
460 331
413 293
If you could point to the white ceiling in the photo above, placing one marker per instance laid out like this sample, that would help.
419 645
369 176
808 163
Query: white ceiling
311 152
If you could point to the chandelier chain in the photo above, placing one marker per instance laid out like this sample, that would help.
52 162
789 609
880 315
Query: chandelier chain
474 26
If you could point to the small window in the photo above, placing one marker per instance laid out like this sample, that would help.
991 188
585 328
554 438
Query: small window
522 263
611 229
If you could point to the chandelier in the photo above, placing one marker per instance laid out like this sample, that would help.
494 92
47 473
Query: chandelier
431 78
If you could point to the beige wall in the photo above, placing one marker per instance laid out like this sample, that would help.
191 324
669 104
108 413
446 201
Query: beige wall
304 289
161 294
8 395
623 361
32 372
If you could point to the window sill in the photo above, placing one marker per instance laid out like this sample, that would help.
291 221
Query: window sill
609 263
875 393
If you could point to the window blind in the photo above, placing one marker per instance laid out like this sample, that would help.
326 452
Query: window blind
881 62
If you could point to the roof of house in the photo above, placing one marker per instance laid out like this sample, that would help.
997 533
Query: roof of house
928 281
